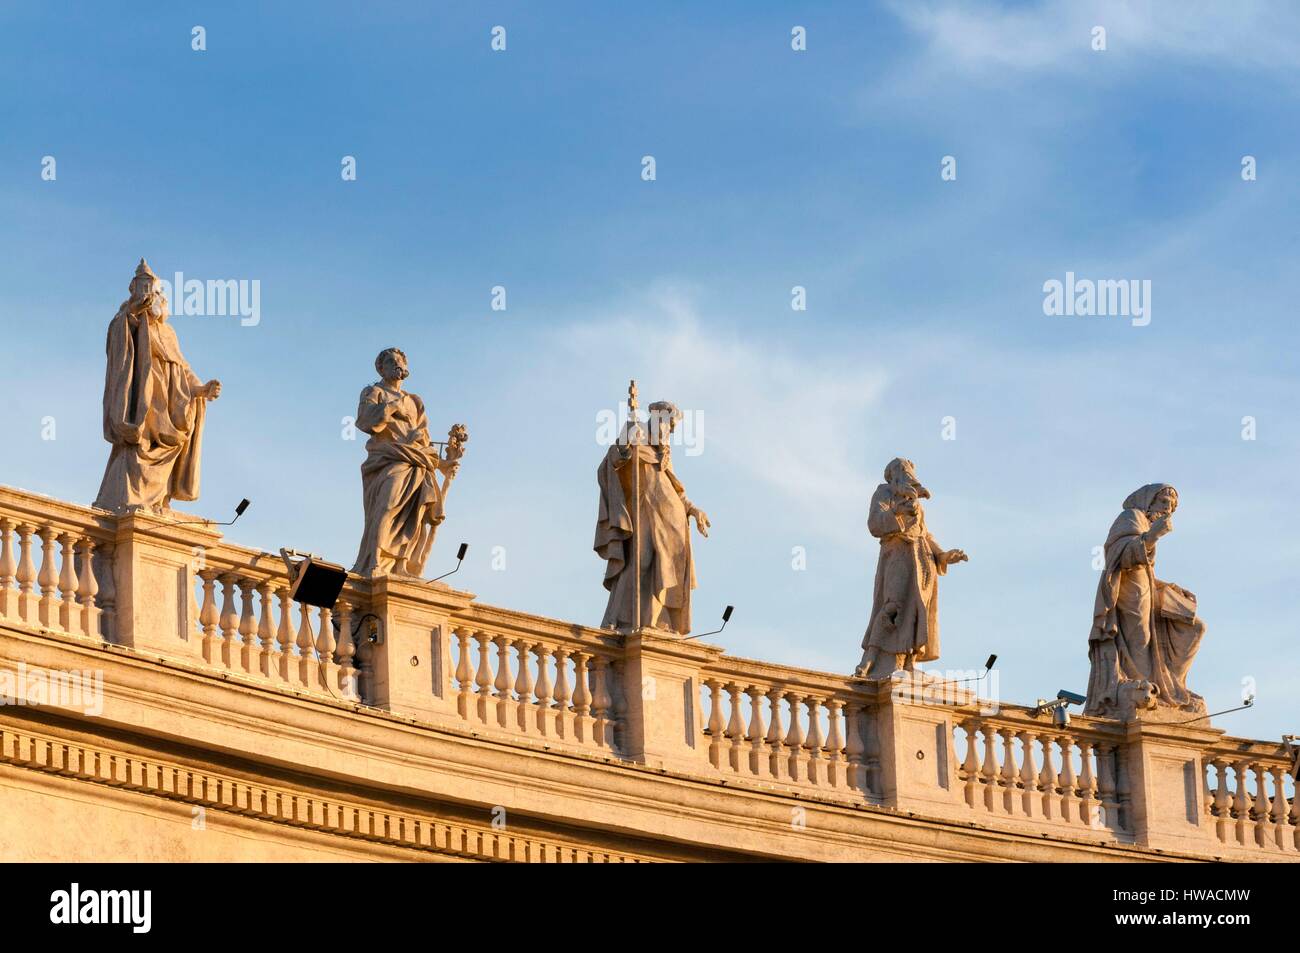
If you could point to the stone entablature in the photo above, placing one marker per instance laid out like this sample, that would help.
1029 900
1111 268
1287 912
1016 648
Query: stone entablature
401 720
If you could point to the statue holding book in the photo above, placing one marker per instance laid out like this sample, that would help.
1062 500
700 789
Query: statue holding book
1145 631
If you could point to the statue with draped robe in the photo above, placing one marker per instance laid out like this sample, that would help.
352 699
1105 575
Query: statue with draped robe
1145 631
667 572
153 406
904 625
403 499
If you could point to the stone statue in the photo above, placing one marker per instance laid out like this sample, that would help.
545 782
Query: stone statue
404 501
1145 632
153 406
660 525
904 626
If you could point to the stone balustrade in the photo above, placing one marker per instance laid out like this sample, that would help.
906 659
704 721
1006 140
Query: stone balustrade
56 566
787 726
559 689
1250 796
173 593
1015 765
246 624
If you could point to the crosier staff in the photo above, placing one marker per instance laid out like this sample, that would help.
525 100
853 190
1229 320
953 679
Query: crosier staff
453 450
636 505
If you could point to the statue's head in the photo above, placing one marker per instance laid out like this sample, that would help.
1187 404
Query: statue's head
1154 499
900 474
391 365
664 416
147 296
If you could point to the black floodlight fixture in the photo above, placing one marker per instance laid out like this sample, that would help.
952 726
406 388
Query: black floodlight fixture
314 582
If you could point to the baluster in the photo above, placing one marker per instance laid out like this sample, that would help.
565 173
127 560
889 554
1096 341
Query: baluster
229 622
758 753
835 744
794 739
208 614
1295 813
563 728
735 729
347 674
1069 799
306 641
1108 786
1047 777
543 691
503 682
715 722
48 578
600 703
325 647
284 634
8 566
776 758
970 766
853 747
1281 836
1220 807
463 674
1007 781
247 627
101 568
1028 775
1089 811
69 611
989 771
1240 803
1261 812
814 745
26 576
87 589
581 699
482 678
523 685
265 630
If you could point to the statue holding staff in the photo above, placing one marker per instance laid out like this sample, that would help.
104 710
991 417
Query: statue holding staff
643 526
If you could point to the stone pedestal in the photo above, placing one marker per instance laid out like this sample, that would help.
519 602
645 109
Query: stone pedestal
1166 782
912 738
154 568
407 668
661 687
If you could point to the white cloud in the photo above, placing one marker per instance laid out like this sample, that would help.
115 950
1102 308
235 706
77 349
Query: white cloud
779 420
975 38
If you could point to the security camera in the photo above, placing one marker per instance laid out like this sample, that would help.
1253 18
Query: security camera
1059 708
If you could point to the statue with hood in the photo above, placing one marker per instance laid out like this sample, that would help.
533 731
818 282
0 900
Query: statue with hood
1145 631
904 626
153 406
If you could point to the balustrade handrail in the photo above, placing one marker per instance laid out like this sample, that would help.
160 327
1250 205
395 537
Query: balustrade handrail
730 668
24 507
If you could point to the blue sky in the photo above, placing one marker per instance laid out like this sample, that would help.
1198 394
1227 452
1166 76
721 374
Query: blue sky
774 169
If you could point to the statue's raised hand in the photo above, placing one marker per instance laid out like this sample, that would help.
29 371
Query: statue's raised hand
954 556
212 390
